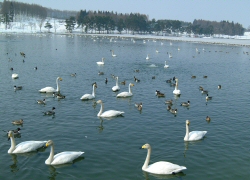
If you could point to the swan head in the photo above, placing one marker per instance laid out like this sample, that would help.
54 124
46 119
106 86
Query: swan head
146 146
99 101
59 78
48 143
94 84
10 134
131 84
187 122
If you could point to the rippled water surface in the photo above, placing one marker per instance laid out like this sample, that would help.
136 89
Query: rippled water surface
111 146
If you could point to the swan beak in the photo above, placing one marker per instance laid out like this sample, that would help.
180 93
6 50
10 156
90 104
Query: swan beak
60 79
47 144
143 147
132 84
188 123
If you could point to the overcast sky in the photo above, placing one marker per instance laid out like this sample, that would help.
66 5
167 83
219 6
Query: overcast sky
183 10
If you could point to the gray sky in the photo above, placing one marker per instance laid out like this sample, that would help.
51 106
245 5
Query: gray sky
184 10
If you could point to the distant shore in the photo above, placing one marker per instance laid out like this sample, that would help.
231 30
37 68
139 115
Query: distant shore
216 41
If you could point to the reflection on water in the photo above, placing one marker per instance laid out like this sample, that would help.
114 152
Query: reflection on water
101 127
159 176
14 168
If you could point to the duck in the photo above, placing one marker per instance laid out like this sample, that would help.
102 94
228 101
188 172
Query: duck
208 118
101 62
14 76
126 94
153 77
204 76
203 91
59 96
41 101
194 135
186 104
106 80
23 147
16 132
176 90
138 106
109 113
35 68
113 55
136 79
166 66
100 73
219 86
173 111
160 167
51 89
169 80
90 96
208 97
52 112
169 101
17 122
193 77
18 88
123 82
200 88
61 158
170 55
116 87
73 74
137 70
11 69
147 58
159 94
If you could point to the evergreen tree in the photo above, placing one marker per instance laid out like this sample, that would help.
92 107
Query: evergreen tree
48 26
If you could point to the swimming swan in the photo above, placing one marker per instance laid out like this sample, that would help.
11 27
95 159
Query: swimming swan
90 96
160 167
194 135
23 147
61 158
51 89
126 94
176 90
14 76
166 66
116 87
109 113
100 62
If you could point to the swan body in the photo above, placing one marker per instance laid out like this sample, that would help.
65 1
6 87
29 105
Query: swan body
23 147
100 62
147 57
109 113
14 76
51 89
160 167
113 55
90 96
166 66
116 87
176 90
61 158
194 135
126 94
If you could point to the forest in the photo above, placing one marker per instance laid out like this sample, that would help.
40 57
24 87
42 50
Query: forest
108 22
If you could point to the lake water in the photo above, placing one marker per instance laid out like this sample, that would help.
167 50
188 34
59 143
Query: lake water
111 146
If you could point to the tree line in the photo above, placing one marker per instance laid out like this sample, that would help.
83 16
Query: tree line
108 22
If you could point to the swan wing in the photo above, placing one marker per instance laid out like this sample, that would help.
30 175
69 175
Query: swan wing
124 94
65 157
28 146
196 135
163 167
87 97
47 89
115 88
111 113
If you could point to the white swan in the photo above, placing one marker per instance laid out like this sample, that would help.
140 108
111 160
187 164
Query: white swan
90 96
100 62
176 90
194 135
147 57
160 167
109 113
23 147
61 158
166 66
14 76
126 94
116 87
170 55
51 89
114 55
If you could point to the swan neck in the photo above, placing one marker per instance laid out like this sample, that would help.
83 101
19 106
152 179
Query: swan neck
93 92
145 165
129 89
51 155
57 85
176 86
187 133
101 110
117 81
13 145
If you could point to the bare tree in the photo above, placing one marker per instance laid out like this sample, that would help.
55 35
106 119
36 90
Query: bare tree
55 25
42 20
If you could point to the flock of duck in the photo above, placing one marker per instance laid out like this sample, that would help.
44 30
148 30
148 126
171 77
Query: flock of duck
161 167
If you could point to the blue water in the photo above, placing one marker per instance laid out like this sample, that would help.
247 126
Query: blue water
111 146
